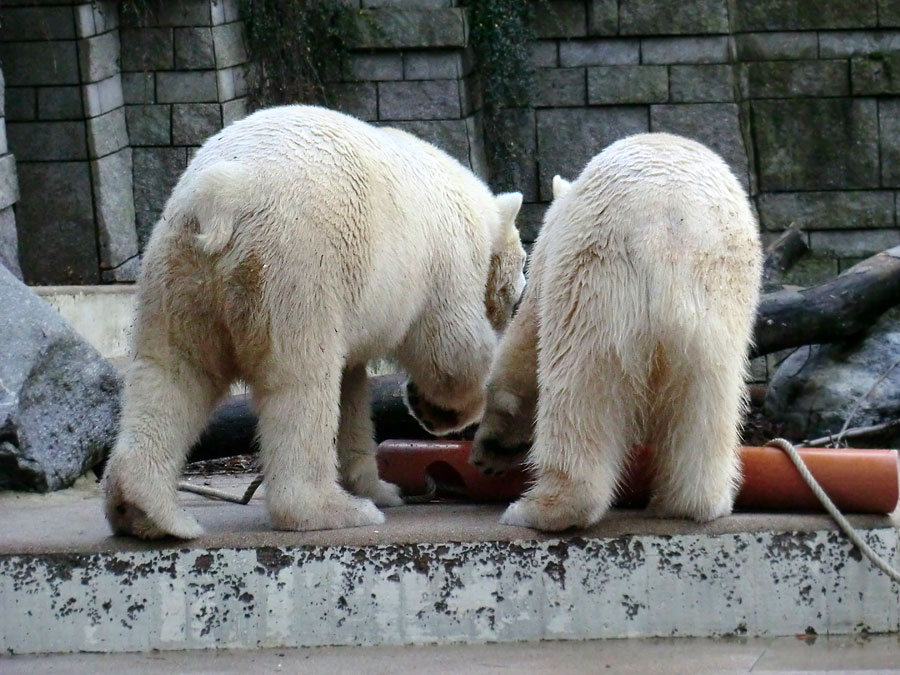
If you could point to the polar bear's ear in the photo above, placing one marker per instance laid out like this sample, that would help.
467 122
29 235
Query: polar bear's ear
508 205
560 186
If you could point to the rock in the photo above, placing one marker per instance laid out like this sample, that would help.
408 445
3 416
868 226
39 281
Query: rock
814 390
59 399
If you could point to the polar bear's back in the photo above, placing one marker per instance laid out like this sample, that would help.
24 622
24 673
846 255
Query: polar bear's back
667 233
327 169
306 204
658 197
665 188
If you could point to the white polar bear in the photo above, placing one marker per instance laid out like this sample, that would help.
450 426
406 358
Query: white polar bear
634 328
299 244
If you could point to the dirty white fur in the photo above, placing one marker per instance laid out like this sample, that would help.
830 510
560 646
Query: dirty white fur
634 328
299 244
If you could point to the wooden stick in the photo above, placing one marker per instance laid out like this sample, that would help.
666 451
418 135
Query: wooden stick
855 432
213 493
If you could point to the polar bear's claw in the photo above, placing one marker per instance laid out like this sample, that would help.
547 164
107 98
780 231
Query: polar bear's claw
494 458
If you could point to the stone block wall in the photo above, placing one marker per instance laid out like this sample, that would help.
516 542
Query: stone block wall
9 194
66 125
102 117
413 69
46 127
183 75
801 99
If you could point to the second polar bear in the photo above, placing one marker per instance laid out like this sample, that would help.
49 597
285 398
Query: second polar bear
299 244
634 328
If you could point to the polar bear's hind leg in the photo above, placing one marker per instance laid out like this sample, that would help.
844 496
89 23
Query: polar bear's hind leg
166 407
695 433
588 404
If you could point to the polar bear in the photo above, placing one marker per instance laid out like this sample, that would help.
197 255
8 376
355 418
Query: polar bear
298 244
634 328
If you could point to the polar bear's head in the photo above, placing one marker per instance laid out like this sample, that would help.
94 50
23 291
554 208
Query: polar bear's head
506 277
448 363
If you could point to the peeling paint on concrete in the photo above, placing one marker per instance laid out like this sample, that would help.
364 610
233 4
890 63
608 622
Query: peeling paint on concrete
628 586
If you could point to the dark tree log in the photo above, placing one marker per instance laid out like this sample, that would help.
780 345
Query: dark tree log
781 255
232 428
231 431
829 312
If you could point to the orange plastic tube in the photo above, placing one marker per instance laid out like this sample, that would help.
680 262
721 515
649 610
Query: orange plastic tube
858 481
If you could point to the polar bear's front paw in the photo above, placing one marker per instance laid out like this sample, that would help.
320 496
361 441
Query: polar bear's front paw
331 511
494 458
384 494
549 515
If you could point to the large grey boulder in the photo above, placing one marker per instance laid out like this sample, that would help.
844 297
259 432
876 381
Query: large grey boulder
59 399
816 388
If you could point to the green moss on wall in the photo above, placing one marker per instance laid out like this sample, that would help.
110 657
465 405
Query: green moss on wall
501 35
295 46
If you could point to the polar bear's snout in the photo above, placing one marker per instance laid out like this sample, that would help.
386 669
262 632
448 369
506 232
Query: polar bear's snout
505 434
436 418
430 415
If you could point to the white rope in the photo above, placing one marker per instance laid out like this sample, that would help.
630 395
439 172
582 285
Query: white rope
839 518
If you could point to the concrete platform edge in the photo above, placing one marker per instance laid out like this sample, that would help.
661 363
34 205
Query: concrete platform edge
739 583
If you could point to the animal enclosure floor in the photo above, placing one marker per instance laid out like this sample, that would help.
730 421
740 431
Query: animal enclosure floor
72 521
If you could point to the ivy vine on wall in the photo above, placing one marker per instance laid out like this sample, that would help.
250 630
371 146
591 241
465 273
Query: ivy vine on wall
296 46
501 34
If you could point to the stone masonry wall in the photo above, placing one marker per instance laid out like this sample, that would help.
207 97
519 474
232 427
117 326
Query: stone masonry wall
102 117
802 99
183 74
413 70
9 194
66 126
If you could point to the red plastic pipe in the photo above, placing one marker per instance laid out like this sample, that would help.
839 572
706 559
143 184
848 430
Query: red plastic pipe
858 481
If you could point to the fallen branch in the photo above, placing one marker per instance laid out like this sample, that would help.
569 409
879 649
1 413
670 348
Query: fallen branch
856 432
829 312
862 398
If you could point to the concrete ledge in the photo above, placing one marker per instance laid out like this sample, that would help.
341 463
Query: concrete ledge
439 573
102 315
